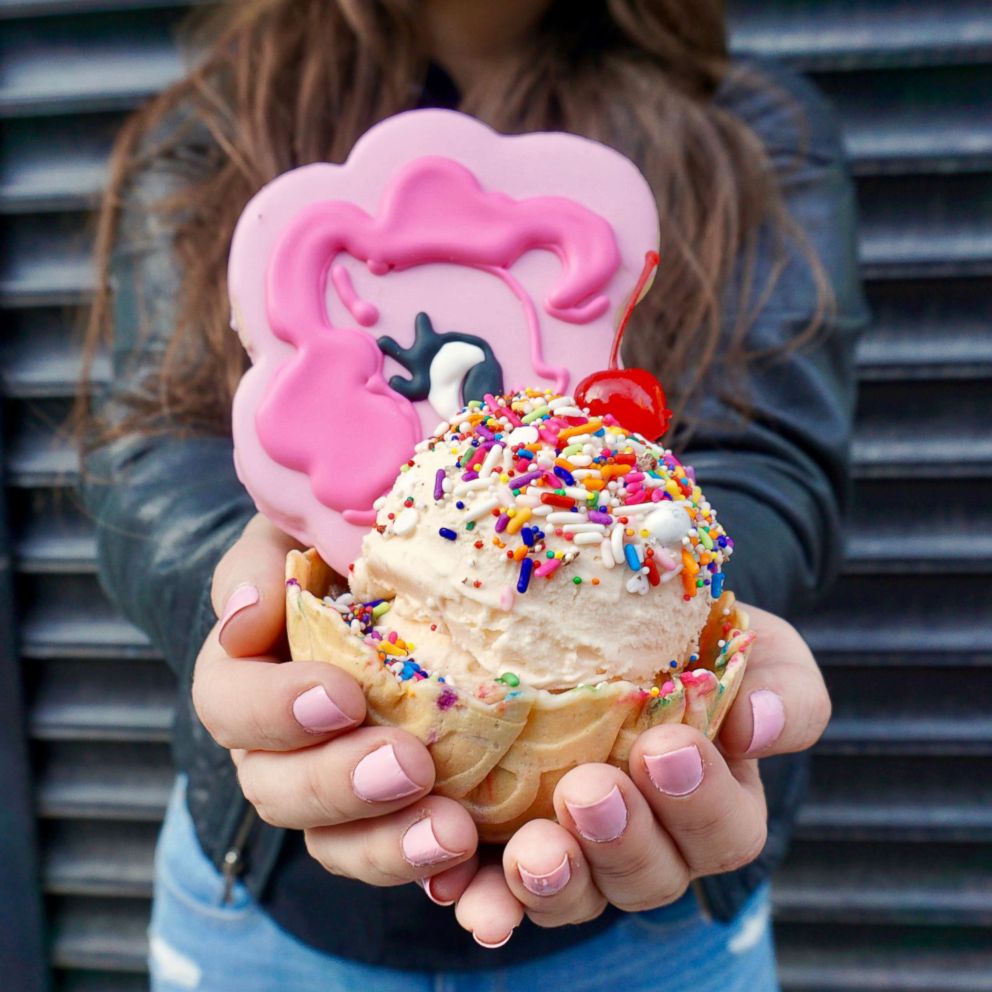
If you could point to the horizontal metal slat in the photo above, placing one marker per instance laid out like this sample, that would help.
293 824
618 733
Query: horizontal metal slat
67 616
86 858
41 355
942 435
99 933
913 711
914 120
99 981
927 329
106 61
888 533
857 883
48 8
61 166
101 699
888 797
924 226
840 35
53 534
97 780
914 617
893 661
47 260
817 958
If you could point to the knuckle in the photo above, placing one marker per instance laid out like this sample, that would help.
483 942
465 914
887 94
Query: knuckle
713 824
822 710
249 788
380 867
211 715
259 729
669 886
572 916
744 854
319 849
319 796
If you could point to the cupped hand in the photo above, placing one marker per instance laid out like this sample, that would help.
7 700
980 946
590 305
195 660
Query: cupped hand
359 794
688 808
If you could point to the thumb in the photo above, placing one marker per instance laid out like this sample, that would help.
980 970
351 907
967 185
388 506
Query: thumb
249 589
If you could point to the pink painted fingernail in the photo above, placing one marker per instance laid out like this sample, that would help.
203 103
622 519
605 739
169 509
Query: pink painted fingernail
317 713
427 885
498 943
601 821
242 597
768 715
676 773
379 777
548 884
421 846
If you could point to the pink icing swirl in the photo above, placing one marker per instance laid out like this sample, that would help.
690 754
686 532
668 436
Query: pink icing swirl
432 211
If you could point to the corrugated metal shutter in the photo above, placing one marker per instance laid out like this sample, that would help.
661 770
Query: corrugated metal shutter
888 885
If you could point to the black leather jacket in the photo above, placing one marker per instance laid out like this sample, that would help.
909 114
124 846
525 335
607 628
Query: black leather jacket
167 507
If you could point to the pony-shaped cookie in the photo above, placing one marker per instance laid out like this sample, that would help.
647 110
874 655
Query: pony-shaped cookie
442 261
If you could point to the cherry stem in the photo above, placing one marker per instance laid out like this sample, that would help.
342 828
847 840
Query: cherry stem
651 260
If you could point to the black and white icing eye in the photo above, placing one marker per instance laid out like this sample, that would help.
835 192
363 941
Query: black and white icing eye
446 369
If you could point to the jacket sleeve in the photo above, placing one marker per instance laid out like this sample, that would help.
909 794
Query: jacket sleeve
165 505
779 478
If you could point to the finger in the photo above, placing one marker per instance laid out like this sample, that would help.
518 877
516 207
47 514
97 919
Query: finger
782 704
714 812
249 589
401 847
446 887
548 873
634 863
365 773
488 909
252 703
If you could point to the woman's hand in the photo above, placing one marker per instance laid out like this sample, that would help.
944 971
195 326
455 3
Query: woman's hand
360 794
688 808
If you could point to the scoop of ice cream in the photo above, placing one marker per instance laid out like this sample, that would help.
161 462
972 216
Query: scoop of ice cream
526 537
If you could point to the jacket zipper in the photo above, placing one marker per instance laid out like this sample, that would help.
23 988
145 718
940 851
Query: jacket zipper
234 856
704 904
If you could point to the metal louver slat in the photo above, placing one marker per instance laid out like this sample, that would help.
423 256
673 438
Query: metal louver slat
100 981
102 780
105 61
928 329
888 884
936 118
921 797
41 355
99 933
818 958
93 858
875 713
59 167
838 34
936 616
882 882
106 700
887 535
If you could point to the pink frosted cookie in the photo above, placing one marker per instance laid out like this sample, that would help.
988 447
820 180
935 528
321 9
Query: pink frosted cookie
442 262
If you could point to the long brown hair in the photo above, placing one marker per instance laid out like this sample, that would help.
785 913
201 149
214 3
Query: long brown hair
283 83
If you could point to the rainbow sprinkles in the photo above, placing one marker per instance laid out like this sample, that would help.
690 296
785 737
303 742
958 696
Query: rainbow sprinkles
549 493
540 481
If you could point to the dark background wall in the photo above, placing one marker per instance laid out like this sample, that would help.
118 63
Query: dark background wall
890 881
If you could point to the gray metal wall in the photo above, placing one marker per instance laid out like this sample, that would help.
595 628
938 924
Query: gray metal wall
890 881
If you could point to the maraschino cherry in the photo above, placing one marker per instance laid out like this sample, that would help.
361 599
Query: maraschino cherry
633 396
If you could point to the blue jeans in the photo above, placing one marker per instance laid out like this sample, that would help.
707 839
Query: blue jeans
199 943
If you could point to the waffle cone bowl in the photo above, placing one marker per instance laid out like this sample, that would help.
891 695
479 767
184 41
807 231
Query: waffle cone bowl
500 750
